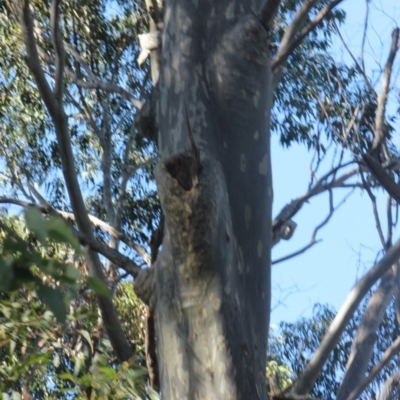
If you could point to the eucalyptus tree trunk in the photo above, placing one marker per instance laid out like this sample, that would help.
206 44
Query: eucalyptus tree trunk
214 181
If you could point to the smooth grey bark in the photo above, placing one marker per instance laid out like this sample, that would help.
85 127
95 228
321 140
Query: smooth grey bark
214 181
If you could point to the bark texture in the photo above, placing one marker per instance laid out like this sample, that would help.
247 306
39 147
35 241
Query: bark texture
214 181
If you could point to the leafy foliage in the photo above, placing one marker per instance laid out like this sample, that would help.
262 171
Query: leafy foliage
71 362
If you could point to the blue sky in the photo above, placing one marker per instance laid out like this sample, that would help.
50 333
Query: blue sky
327 271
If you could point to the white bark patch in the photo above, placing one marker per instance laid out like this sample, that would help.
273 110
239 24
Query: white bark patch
256 99
259 249
186 46
186 23
256 135
247 216
243 162
229 13
263 165
178 86
237 300
225 145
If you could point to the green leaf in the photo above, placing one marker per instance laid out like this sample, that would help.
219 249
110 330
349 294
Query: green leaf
108 372
86 335
56 361
72 273
4 396
16 395
60 232
98 287
6 311
77 366
36 224
53 298
13 344
6 274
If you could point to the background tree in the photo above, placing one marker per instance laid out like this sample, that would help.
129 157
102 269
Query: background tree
83 127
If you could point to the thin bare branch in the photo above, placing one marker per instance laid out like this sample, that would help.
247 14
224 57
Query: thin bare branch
380 128
296 253
372 197
364 34
293 37
356 63
313 239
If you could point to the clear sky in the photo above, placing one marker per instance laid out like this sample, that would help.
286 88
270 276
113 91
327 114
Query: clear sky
327 271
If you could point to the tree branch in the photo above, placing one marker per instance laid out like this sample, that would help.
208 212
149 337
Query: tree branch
380 128
111 254
365 337
313 239
353 300
391 351
58 45
96 82
290 40
357 65
119 342
94 220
